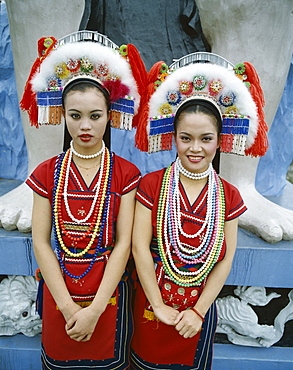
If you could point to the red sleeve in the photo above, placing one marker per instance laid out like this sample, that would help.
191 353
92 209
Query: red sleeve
126 173
41 179
233 200
149 189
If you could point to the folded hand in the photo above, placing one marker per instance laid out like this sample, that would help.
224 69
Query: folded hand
81 325
188 324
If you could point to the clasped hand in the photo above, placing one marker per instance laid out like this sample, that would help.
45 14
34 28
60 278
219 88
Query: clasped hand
81 325
187 323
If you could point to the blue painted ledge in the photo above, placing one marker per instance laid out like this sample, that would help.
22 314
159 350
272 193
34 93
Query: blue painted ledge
256 263
17 257
20 353
232 357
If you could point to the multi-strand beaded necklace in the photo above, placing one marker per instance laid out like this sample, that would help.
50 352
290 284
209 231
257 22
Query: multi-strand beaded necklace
98 210
196 261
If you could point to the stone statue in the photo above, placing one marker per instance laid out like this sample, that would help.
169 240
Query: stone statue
237 319
257 32
18 306
56 19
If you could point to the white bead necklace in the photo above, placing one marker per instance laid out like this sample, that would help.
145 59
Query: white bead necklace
97 189
193 175
176 210
83 156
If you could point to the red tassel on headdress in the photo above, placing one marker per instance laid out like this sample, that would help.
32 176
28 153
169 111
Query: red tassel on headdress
141 137
137 67
139 73
29 102
260 145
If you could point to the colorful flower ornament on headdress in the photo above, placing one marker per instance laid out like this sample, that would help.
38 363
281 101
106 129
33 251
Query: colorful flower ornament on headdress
242 115
91 59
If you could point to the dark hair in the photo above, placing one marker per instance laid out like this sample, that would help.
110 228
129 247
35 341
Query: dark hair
84 84
199 106
204 107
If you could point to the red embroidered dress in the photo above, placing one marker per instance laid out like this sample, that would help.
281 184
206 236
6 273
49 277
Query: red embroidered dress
109 345
156 345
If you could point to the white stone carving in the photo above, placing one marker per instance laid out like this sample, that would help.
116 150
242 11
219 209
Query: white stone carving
16 209
58 19
239 322
18 306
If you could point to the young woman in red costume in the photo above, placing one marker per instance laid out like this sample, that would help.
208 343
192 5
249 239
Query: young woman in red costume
184 240
86 195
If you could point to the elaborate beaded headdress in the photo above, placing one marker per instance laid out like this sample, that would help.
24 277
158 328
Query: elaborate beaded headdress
74 56
230 90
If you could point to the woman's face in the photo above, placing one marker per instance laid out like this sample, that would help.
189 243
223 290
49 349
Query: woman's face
196 140
86 118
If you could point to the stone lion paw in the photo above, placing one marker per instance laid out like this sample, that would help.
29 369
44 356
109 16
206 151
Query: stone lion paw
264 218
16 209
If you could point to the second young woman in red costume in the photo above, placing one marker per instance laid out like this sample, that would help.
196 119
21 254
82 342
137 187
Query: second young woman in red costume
184 250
